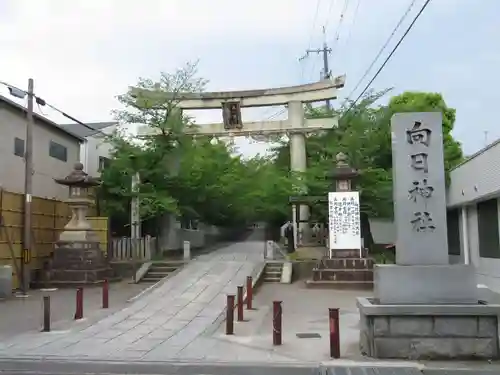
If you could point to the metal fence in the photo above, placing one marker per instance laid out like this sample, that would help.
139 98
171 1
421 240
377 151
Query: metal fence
126 248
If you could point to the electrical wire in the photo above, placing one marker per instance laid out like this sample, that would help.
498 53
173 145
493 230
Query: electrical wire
353 23
384 46
390 56
316 13
42 102
339 26
330 8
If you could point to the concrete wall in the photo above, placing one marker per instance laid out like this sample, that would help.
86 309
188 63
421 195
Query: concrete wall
487 269
92 149
46 168
477 178
172 236
383 231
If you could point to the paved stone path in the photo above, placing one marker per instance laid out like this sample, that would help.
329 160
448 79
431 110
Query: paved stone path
167 323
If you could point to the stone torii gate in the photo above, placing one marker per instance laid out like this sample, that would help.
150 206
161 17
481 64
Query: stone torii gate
231 102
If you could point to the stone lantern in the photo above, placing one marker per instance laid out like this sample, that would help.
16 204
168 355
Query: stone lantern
343 174
78 258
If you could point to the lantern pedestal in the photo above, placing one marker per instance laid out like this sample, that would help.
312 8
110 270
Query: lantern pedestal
79 263
78 258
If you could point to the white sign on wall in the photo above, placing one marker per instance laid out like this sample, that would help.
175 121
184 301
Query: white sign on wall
344 221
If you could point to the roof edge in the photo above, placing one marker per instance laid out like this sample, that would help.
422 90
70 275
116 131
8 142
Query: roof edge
38 117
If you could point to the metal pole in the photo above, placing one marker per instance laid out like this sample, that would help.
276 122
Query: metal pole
46 313
230 315
334 333
105 294
277 312
240 303
28 189
249 292
79 304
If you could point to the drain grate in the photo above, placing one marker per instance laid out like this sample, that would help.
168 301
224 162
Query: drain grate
308 335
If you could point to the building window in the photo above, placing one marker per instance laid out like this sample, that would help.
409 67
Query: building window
487 220
453 232
103 163
19 147
58 151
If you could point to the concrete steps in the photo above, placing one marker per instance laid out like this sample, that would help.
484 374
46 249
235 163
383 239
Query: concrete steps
343 273
272 272
160 270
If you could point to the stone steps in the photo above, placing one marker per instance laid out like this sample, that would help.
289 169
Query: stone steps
343 273
160 270
272 272
339 285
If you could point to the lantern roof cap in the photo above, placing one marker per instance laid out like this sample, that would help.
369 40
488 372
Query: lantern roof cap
343 171
78 178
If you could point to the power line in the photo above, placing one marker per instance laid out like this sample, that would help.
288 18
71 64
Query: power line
325 51
339 25
20 93
353 23
382 49
316 13
332 2
389 56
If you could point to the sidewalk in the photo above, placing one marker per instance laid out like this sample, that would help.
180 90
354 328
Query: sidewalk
161 324
25 313
305 311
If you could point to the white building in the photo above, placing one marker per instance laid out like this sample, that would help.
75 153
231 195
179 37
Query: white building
473 211
94 151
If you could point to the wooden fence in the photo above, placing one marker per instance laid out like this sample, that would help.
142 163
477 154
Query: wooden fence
48 220
126 248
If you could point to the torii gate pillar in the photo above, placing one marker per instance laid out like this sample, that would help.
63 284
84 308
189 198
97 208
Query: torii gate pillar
298 157
231 103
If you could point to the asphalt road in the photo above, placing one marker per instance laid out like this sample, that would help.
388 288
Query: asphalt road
29 367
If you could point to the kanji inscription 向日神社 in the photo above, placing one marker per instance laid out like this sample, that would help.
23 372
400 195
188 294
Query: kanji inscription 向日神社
419 188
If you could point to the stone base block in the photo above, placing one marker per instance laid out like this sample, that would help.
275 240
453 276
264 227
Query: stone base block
348 253
437 284
428 332
78 263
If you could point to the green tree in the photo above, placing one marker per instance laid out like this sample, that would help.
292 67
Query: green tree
363 133
429 102
192 177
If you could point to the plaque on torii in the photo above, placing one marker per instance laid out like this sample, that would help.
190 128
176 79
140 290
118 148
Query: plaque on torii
231 115
296 125
231 103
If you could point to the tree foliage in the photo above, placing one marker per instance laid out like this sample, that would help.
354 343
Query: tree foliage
195 178
363 133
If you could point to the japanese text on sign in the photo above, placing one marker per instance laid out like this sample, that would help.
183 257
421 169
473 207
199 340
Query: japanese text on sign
344 220
420 190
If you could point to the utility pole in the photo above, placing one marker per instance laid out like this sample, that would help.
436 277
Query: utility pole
28 190
326 74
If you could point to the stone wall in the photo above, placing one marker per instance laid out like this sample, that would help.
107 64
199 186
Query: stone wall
429 337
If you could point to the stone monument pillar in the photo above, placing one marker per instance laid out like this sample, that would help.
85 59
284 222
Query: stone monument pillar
420 217
78 258
423 307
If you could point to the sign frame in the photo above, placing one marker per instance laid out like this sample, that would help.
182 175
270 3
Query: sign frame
349 238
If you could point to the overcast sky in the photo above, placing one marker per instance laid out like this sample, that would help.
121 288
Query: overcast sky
82 53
